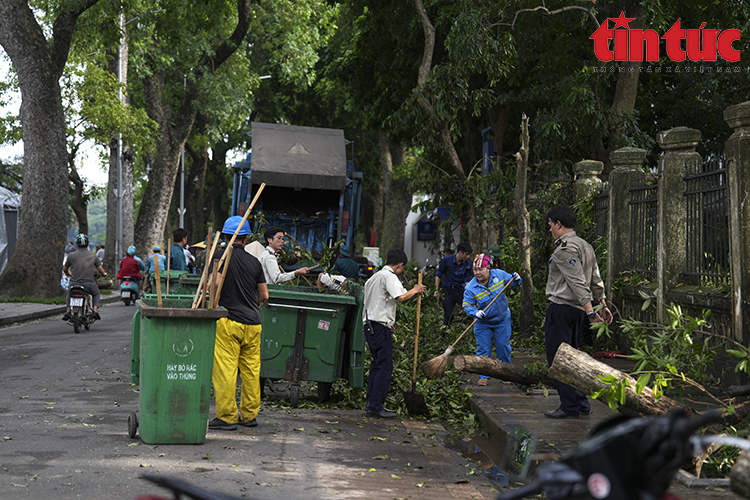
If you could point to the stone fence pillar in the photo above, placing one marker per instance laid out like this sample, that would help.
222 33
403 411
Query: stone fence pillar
627 172
679 148
737 149
587 178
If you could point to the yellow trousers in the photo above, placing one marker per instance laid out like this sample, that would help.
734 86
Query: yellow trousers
237 348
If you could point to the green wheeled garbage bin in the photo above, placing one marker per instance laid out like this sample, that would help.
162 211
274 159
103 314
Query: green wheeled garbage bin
176 355
312 335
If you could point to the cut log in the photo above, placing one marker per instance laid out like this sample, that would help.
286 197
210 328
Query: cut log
735 391
739 478
504 371
581 371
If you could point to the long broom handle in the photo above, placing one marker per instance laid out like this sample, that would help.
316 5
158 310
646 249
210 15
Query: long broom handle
169 260
502 290
215 299
416 332
239 226
201 292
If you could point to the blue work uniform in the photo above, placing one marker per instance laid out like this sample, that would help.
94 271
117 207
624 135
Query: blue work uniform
495 325
454 276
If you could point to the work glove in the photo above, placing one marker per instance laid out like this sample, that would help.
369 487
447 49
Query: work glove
479 314
516 278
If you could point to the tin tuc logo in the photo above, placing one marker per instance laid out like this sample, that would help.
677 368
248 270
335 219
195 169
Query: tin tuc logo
643 45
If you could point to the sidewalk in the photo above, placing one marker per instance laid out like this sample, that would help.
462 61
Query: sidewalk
16 312
500 407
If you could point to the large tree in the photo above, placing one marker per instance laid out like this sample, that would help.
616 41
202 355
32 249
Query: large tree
34 268
177 65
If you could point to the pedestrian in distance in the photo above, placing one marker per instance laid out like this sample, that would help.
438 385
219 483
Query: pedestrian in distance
238 335
100 253
493 325
177 260
70 248
574 285
454 272
345 265
382 293
497 257
80 266
275 239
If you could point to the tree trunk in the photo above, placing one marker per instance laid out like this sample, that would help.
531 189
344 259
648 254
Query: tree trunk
581 371
504 371
35 267
396 202
378 202
174 128
740 476
78 202
526 313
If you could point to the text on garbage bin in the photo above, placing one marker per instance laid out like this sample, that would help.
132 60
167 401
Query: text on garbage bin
182 372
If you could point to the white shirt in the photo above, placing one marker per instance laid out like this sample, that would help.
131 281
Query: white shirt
381 291
332 281
270 264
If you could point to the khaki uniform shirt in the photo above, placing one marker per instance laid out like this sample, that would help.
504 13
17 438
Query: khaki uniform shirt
574 277
381 291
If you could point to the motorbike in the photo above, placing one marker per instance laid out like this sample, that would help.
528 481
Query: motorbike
129 291
81 308
626 459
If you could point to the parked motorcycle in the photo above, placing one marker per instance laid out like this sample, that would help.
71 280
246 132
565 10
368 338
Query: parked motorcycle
81 309
129 291
626 459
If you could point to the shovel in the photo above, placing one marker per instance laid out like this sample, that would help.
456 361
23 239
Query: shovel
415 403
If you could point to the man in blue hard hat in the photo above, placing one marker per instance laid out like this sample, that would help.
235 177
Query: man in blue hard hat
238 335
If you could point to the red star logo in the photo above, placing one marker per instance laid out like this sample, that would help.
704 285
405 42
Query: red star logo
621 21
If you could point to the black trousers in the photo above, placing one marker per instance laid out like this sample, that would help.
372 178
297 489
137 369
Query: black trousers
565 324
452 295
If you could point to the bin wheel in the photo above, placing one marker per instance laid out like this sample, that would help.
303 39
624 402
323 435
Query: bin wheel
324 391
76 322
294 395
132 424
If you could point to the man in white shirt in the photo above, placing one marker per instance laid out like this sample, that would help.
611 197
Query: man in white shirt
382 291
275 237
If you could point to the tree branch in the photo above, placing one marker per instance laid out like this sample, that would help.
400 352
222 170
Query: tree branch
229 46
588 10
62 31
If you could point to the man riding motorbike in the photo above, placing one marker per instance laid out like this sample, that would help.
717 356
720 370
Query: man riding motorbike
80 266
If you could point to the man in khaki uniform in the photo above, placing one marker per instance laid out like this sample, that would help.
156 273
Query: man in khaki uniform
573 286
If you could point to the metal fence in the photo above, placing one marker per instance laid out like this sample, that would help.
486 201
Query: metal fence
644 229
601 211
707 232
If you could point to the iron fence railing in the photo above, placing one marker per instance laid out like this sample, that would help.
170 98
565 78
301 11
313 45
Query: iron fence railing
601 211
707 221
644 229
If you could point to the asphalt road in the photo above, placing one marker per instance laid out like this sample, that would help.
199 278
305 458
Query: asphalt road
64 405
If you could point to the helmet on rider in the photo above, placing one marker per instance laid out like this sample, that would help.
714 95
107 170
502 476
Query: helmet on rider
82 240
232 223
131 250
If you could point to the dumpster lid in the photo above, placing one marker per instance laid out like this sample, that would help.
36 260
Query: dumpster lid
298 157
175 307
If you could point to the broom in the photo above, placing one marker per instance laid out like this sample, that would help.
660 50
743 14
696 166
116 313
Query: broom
435 368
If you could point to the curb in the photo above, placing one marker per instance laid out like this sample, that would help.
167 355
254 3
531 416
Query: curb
48 311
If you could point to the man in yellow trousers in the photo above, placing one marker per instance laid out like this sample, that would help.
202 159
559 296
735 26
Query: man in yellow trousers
238 335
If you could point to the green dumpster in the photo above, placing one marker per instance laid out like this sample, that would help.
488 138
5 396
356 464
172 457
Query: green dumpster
175 347
312 335
176 287
188 283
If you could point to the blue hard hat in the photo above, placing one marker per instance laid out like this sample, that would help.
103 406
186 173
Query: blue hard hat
232 223
131 250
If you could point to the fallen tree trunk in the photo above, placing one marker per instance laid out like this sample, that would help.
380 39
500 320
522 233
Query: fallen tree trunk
581 371
504 371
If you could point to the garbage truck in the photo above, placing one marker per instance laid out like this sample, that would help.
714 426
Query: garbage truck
312 190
